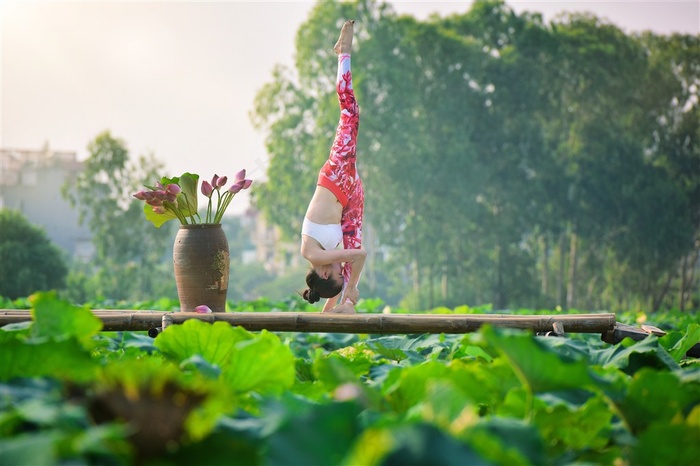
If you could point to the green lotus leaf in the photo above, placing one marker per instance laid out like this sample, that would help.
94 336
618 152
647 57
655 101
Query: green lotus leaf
406 387
333 371
313 434
213 342
575 428
262 364
66 360
424 444
667 443
653 396
507 441
58 319
157 219
631 356
678 343
26 449
540 368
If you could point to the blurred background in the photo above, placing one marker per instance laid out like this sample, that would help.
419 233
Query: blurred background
515 154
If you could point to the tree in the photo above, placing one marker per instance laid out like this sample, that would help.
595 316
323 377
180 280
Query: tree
29 261
131 256
673 147
613 96
504 160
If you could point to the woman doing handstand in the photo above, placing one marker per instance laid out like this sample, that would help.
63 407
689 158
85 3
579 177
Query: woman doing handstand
336 208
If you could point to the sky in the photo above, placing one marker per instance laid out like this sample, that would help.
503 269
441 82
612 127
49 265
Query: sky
178 79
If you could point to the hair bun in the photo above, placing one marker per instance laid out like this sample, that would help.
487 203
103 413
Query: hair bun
311 295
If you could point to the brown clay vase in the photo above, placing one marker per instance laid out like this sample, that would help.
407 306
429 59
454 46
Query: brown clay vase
201 263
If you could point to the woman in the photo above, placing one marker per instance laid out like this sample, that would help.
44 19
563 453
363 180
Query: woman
336 208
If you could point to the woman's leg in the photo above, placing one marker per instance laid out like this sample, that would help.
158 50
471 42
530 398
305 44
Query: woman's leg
343 151
346 138
339 172
351 224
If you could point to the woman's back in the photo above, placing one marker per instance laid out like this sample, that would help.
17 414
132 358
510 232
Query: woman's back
324 207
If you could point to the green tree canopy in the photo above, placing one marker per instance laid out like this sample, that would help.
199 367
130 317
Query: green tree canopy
29 261
505 160
130 260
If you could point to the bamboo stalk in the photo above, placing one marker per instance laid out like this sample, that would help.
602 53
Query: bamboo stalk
23 312
347 323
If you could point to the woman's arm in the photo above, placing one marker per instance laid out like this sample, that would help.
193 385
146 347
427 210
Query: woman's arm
319 256
330 303
351 293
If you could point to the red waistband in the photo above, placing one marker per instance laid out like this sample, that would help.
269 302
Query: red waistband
335 189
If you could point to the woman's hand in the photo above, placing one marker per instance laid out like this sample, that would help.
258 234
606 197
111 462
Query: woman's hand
352 294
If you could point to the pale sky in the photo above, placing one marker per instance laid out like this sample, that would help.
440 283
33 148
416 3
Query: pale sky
178 78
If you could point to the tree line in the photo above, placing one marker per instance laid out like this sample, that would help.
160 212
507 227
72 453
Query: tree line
132 260
506 160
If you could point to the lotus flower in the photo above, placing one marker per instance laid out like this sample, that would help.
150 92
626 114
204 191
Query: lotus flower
141 195
207 189
177 198
202 309
236 187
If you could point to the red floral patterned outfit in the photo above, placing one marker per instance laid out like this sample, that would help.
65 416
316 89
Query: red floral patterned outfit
339 173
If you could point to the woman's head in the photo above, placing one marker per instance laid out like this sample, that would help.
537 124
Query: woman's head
324 282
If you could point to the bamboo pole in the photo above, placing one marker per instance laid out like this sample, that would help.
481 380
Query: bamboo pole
123 320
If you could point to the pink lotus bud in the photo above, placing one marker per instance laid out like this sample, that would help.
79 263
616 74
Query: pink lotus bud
222 181
171 197
148 195
173 188
247 183
141 195
239 176
215 180
160 195
236 187
159 185
202 309
159 209
207 189
154 202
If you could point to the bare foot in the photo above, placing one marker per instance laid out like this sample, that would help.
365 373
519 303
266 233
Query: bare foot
347 308
344 44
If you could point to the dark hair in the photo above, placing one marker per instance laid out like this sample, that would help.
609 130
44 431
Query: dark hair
320 287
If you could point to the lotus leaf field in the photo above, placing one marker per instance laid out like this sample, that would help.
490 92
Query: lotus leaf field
205 394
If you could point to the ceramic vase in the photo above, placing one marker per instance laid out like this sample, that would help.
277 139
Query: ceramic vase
201 265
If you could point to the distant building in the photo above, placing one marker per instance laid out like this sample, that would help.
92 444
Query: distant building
31 181
275 255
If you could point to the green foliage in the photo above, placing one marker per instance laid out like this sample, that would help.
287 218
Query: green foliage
185 206
560 141
60 320
130 253
201 392
331 428
505 160
678 343
56 345
538 369
29 261
55 430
